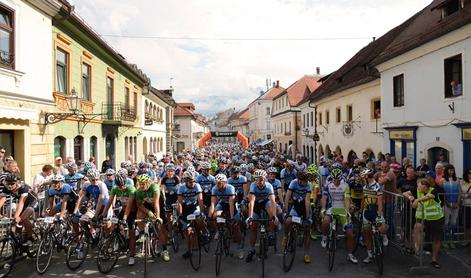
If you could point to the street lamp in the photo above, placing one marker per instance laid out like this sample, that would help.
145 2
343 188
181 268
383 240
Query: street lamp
73 102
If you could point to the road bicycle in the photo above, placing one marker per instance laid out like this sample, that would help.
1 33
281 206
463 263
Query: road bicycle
113 246
295 238
332 240
378 247
195 241
263 226
224 237
148 240
175 232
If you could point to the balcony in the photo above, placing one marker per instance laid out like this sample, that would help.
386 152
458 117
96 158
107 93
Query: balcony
118 114
6 59
287 133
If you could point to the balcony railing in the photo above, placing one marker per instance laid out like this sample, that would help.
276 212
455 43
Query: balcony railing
118 112
6 59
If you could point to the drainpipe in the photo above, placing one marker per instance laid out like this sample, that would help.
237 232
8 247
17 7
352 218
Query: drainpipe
315 130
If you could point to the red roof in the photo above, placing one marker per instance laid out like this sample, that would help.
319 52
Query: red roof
181 111
244 115
301 89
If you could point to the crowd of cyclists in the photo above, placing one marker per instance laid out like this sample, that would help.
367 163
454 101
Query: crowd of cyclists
188 192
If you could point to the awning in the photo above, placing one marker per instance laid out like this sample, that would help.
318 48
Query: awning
263 143
18 113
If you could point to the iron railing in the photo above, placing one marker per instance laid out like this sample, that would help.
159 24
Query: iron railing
118 112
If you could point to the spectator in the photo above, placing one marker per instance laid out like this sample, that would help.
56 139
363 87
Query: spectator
425 198
387 157
409 182
70 159
405 163
2 157
438 173
380 157
43 179
450 185
365 157
92 161
300 166
58 167
443 159
465 185
423 168
393 160
387 179
107 164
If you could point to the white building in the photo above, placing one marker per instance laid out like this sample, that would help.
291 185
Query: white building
286 114
189 127
239 121
260 127
26 82
423 113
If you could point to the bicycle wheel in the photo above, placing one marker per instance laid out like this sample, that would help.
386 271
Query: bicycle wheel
146 246
378 252
174 235
44 253
289 251
108 254
77 253
7 256
195 250
331 247
263 253
357 227
219 251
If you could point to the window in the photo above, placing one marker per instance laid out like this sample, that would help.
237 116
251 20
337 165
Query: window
59 147
62 69
6 38
320 118
135 103
268 110
312 118
126 98
338 114
453 76
93 146
327 117
86 81
304 120
289 130
398 90
78 148
349 113
376 109
451 7
307 120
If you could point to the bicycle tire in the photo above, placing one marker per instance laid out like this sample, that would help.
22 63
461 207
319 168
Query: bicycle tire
146 246
331 247
45 250
218 254
289 250
378 253
81 245
195 250
263 253
108 254
357 227
174 239
7 256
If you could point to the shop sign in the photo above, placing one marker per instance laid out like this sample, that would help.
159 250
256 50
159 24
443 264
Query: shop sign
401 135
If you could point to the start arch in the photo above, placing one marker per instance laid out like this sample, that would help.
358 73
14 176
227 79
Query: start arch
243 140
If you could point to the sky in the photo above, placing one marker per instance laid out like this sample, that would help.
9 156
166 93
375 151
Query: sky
241 44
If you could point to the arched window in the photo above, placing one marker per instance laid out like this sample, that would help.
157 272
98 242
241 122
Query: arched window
126 147
59 147
78 148
161 144
146 107
93 147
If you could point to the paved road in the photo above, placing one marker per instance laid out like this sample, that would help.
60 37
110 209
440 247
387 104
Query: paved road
455 263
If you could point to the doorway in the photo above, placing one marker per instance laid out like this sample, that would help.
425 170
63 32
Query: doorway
433 156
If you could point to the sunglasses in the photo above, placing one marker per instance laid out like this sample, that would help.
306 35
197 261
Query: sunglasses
109 175
93 179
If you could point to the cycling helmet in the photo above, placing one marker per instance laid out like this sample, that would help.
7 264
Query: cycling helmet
368 172
205 165
235 170
93 174
11 179
272 170
144 178
259 173
110 172
123 172
131 170
189 175
357 171
251 166
312 169
302 176
191 168
337 165
88 165
58 178
71 166
142 164
126 164
244 168
220 178
121 179
170 166
336 173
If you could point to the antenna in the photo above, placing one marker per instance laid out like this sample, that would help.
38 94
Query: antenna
171 82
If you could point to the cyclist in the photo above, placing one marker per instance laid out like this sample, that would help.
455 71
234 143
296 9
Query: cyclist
240 185
145 168
314 178
207 182
73 178
148 205
335 201
123 195
372 210
298 195
288 174
222 167
96 194
300 166
356 184
261 197
109 180
276 183
26 200
244 171
223 203
190 201
68 197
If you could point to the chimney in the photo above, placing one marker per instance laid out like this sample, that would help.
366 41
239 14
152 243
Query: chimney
274 84
318 70
277 83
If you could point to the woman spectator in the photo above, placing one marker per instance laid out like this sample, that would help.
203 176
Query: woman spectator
107 164
450 185
438 172
429 215
422 168
465 185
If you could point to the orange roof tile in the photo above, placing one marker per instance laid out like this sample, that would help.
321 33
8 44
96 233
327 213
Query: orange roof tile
301 89
182 111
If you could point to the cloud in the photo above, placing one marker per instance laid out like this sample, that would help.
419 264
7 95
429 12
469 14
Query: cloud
217 75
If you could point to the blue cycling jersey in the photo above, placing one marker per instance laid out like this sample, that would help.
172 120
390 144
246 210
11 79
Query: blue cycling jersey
73 180
276 183
206 182
66 190
224 194
288 176
189 194
298 191
109 183
261 194
150 173
171 184
94 191
238 183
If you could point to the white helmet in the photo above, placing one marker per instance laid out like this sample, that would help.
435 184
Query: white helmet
259 173
205 165
189 175
220 178
93 174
